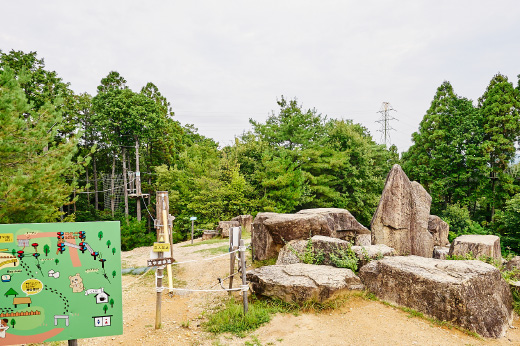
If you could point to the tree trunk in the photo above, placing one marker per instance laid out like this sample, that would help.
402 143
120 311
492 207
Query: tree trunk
125 184
112 192
96 200
493 187
88 187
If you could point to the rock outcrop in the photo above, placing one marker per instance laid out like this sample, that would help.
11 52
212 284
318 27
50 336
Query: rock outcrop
301 282
471 294
401 218
245 221
440 252
439 230
270 231
478 245
513 263
294 251
224 227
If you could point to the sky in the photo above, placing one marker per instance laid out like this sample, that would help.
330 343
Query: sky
221 63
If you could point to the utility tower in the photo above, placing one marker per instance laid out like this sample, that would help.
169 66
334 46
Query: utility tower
385 110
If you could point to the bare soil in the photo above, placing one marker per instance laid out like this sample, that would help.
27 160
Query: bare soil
358 322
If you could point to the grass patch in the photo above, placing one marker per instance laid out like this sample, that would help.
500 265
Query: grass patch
230 318
215 250
263 263
209 241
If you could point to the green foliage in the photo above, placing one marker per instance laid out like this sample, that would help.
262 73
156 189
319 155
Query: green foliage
507 224
35 166
309 255
345 258
446 157
231 318
134 234
460 222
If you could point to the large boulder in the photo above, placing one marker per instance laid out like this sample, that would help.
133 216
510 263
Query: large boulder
439 230
322 247
224 227
270 231
401 218
477 245
301 282
245 222
471 294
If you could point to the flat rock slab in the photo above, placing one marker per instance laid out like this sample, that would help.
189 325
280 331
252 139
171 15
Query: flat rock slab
302 282
471 294
478 245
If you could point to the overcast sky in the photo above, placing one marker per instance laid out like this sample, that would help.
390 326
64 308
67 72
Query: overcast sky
221 63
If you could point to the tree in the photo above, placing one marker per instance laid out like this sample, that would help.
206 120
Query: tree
446 156
113 251
13 322
111 302
499 107
35 165
114 273
126 117
56 261
100 235
46 249
105 308
109 243
11 292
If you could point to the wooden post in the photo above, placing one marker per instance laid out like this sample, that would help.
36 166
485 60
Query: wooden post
243 266
162 229
73 342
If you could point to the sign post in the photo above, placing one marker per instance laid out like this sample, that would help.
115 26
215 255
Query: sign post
192 219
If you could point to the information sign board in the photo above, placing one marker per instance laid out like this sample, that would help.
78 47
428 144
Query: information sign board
60 281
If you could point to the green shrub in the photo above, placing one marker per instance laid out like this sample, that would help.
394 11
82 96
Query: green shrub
345 258
134 234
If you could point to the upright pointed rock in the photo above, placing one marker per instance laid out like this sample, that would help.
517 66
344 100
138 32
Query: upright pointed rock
401 218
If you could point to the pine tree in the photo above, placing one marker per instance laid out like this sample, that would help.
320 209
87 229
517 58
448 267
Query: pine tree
34 164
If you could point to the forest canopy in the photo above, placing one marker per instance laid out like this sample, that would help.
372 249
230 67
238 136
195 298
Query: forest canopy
67 157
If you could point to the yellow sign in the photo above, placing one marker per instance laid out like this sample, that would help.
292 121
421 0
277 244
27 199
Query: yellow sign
6 238
32 286
161 247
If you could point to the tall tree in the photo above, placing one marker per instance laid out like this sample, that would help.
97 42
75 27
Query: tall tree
34 165
446 156
499 107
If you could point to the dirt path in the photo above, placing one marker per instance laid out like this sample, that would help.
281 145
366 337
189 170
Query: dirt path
359 322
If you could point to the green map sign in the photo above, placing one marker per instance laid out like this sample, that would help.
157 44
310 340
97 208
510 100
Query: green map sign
60 281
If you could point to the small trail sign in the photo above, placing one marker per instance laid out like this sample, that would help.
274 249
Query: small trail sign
160 261
161 247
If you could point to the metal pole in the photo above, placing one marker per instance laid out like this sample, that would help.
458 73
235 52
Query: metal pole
243 266
192 231
231 260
